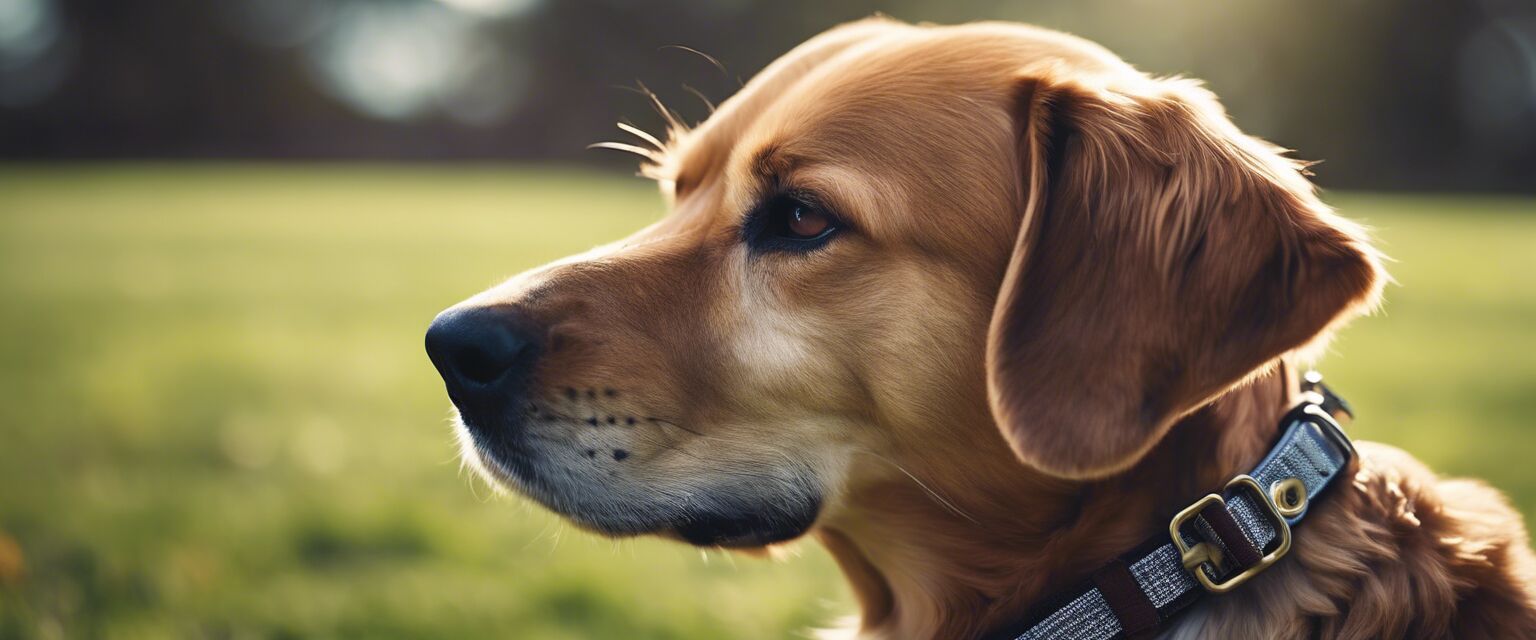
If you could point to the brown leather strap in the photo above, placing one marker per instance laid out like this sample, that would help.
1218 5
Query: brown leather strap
1240 549
1136 613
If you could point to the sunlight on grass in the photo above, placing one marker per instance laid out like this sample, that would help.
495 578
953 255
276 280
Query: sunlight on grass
218 419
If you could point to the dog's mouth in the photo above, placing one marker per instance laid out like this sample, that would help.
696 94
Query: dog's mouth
744 530
725 513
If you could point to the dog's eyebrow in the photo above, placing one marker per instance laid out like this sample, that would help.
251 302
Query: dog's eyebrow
769 164
775 168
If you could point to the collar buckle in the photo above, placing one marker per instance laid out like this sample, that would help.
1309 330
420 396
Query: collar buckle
1194 557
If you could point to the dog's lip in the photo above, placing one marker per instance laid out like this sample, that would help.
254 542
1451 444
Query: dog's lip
516 472
701 529
706 536
770 524
747 529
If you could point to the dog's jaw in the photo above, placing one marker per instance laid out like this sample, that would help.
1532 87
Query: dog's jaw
921 568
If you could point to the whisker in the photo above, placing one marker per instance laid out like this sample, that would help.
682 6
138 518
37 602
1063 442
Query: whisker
697 94
648 154
674 121
657 173
712 60
926 489
674 425
641 134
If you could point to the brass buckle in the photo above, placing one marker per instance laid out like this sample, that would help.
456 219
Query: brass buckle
1195 556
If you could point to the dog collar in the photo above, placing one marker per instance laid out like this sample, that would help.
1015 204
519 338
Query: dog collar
1215 544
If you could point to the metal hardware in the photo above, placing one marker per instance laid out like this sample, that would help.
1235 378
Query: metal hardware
1325 422
1289 496
1202 553
1315 392
1199 554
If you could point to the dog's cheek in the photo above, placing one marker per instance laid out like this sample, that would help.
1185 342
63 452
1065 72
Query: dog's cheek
776 346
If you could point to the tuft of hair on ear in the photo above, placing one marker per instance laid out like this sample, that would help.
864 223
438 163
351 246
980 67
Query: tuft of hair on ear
1162 258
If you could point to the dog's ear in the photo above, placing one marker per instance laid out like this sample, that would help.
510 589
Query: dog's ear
1163 257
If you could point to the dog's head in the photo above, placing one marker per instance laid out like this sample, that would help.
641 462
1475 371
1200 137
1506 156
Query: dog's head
895 245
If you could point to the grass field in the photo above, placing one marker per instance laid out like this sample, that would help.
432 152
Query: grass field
216 418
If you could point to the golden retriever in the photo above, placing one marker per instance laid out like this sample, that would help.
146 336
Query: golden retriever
979 308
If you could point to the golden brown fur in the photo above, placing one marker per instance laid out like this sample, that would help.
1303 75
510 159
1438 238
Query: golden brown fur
1068 302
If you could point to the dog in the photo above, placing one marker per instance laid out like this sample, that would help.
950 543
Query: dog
979 308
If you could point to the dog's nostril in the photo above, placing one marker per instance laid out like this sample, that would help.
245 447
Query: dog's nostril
481 352
478 366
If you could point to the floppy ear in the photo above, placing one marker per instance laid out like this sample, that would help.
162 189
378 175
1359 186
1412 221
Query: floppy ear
1163 258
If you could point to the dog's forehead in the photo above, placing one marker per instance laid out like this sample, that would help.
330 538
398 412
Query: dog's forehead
893 96
874 110
882 92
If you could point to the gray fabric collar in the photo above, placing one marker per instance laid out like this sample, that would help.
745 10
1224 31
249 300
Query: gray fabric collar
1266 503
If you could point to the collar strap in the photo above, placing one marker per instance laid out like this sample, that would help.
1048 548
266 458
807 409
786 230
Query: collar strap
1215 544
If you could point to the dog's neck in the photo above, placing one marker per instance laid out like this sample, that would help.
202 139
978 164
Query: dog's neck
971 541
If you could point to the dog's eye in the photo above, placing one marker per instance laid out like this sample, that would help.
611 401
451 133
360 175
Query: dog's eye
789 223
802 222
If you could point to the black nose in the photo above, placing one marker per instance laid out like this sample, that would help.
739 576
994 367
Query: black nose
484 354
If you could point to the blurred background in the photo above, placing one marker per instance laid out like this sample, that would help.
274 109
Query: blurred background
224 227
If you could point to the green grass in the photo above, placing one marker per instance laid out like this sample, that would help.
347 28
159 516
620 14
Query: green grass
216 419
